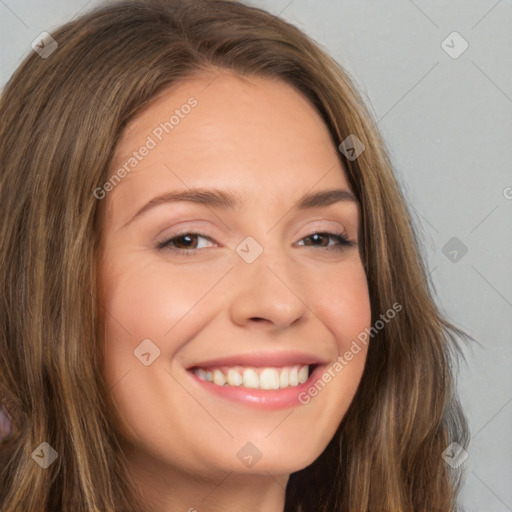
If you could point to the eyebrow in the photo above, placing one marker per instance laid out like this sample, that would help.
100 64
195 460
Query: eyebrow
226 199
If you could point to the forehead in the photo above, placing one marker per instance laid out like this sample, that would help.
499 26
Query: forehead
228 131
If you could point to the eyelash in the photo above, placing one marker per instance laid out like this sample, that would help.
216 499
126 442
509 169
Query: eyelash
343 239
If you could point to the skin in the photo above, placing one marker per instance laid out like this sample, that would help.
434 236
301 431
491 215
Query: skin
263 140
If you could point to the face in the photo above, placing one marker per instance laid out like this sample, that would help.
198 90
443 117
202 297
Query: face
224 309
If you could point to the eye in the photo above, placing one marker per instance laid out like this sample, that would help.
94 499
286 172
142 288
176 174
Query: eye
321 237
186 243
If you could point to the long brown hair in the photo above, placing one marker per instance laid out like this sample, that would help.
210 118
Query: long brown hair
61 118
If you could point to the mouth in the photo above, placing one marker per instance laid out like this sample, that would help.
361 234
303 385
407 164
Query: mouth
259 380
266 378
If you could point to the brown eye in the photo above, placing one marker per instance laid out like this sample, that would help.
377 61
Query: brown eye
318 238
321 239
184 243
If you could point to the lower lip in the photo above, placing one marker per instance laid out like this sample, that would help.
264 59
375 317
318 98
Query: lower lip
267 399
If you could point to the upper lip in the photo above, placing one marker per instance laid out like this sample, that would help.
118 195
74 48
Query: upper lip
262 359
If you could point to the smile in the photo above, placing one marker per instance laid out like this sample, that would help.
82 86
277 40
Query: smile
266 378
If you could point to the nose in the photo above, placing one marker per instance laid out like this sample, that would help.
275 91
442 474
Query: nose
268 291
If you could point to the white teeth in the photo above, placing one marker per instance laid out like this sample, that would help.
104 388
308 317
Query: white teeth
303 374
251 379
234 378
293 379
218 378
256 378
269 379
283 378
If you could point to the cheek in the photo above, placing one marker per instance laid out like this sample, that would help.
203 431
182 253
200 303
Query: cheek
343 303
340 300
147 300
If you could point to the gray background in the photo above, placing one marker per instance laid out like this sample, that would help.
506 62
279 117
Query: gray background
448 126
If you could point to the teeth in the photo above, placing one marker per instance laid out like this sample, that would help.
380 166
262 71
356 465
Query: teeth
251 379
256 378
269 379
294 377
303 374
234 378
218 378
284 378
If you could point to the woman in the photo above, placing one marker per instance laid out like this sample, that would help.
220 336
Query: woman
266 370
